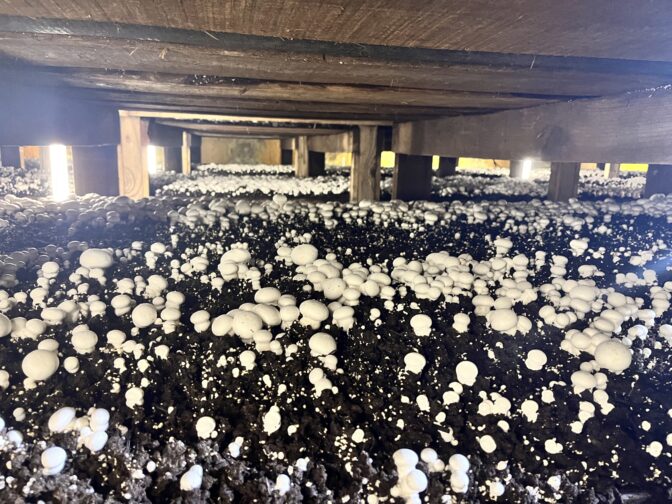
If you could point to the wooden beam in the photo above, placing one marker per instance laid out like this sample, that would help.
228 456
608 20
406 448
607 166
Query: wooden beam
213 117
412 178
447 166
186 153
633 128
564 181
365 172
248 129
95 170
543 26
339 142
658 180
465 71
253 89
301 167
133 172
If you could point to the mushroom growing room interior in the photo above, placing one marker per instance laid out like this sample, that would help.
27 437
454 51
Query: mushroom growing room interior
336 251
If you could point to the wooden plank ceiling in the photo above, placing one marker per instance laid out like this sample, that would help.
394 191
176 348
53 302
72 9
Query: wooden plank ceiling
391 60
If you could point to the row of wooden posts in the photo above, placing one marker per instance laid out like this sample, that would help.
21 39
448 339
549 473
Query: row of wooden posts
123 169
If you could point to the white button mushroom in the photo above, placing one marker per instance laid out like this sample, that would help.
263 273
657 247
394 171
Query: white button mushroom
53 460
421 324
96 258
39 365
613 355
144 315
303 254
322 344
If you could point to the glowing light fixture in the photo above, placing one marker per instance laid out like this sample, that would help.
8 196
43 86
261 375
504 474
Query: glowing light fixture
527 169
152 167
58 168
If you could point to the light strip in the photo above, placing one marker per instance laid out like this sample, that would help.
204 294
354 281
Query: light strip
58 167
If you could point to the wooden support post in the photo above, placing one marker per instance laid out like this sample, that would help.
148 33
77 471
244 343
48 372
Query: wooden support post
10 156
172 159
186 153
613 170
133 173
286 157
301 157
658 180
447 166
365 171
564 181
316 164
95 170
412 177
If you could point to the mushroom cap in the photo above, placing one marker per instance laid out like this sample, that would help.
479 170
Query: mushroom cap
613 355
53 457
322 344
96 258
303 254
314 310
40 364
60 419
245 323
144 315
503 319
221 325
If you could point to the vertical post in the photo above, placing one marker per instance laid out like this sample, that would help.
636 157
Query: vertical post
133 173
613 170
365 171
316 164
564 181
658 180
10 156
95 170
186 153
412 177
447 166
301 157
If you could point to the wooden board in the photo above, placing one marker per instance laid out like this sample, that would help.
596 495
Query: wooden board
301 167
628 29
133 172
340 142
490 73
365 172
186 153
631 128
235 129
143 82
